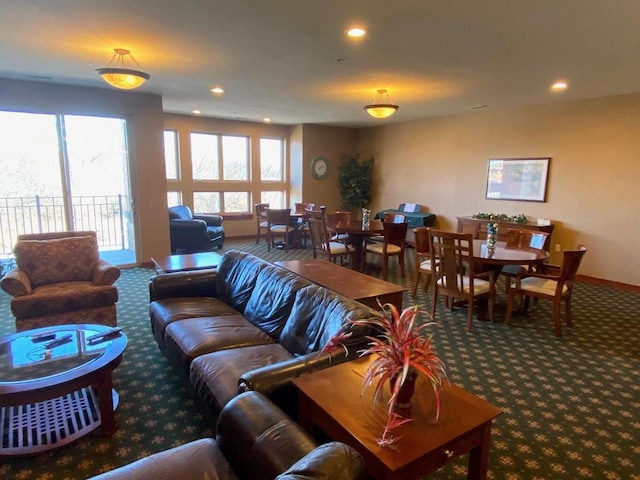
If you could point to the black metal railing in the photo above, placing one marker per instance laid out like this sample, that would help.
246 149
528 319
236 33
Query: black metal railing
104 214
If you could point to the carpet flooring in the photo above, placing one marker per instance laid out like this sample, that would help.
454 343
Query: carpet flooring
571 405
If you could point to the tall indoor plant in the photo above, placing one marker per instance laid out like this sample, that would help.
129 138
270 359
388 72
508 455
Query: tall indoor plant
355 179
403 350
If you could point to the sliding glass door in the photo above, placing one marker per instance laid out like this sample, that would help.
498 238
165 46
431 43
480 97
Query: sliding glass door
66 172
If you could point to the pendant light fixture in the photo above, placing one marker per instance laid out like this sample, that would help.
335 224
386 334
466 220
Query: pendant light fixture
382 106
120 77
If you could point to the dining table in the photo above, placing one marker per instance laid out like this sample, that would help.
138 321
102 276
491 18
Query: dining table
358 233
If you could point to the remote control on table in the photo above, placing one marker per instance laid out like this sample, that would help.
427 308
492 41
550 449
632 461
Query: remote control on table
102 336
58 341
43 337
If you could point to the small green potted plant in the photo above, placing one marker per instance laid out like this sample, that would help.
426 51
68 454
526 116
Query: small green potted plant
403 352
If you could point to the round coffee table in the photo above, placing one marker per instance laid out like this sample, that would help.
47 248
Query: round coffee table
51 395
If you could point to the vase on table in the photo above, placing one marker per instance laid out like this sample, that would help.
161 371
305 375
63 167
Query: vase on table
407 389
366 216
492 235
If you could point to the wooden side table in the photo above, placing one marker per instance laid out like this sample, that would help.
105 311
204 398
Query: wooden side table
330 400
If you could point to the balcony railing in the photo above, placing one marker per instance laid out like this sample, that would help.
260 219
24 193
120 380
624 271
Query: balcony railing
104 214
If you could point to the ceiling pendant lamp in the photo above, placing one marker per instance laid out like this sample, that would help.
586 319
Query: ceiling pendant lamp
120 77
382 106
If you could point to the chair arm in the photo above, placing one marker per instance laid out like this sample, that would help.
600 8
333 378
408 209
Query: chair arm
550 269
272 377
185 226
198 283
333 460
210 220
489 275
105 273
16 283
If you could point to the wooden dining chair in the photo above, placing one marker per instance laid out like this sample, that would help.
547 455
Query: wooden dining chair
423 259
338 217
454 275
553 283
522 239
261 220
389 217
279 222
322 243
394 236
303 208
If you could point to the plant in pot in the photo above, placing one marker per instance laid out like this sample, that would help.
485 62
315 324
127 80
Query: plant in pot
403 352
354 179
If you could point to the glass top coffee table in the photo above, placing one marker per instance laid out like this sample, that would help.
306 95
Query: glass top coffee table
55 385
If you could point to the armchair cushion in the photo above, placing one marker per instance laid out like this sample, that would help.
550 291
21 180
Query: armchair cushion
105 273
57 260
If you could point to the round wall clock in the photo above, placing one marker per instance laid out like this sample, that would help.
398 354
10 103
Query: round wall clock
320 167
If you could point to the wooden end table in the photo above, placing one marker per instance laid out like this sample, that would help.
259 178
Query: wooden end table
345 281
183 263
330 400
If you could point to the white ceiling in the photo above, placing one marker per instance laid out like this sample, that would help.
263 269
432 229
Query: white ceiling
279 58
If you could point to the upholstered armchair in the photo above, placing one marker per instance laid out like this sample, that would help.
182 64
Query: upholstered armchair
191 233
59 280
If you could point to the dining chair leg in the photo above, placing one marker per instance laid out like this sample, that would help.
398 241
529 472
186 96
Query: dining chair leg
507 316
470 315
556 317
401 261
434 299
416 280
567 311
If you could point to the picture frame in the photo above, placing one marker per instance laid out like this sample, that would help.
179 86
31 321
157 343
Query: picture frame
522 179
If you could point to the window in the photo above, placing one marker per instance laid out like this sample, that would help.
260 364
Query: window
235 158
274 199
271 160
171 154
206 202
174 199
204 156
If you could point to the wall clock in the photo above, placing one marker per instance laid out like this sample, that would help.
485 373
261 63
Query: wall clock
320 167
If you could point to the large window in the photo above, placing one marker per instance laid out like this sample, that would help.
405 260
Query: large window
271 160
225 173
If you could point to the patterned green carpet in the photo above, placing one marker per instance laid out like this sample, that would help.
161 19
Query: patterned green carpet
571 405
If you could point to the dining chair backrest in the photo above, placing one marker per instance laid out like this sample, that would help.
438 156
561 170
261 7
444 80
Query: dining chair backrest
339 217
261 209
390 217
571 260
278 216
421 240
526 238
395 233
319 235
472 228
304 207
452 259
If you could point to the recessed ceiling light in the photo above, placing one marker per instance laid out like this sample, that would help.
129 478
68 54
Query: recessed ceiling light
196 112
217 90
559 86
266 120
356 32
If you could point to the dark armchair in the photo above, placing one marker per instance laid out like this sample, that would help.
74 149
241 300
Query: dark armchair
194 233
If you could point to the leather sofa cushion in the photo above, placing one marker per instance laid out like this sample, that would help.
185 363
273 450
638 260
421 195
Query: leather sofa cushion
57 260
192 337
200 459
63 297
330 461
168 310
237 274
272 298
214 376
318 314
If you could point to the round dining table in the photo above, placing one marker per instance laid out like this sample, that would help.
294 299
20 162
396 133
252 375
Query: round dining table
358 233
505 254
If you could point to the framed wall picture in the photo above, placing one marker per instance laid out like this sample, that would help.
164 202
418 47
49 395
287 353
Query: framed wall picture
518 179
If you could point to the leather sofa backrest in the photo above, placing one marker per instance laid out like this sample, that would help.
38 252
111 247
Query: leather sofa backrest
318 314
272 299
180 212
236 278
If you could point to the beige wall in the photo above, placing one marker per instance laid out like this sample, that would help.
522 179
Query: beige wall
593 191
332 143
144 116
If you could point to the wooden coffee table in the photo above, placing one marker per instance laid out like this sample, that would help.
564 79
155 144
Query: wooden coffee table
52 395
183 263
330 400
345 281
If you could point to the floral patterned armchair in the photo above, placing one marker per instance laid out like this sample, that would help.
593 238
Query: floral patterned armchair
60 279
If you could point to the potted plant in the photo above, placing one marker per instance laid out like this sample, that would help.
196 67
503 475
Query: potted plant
355 178
403 352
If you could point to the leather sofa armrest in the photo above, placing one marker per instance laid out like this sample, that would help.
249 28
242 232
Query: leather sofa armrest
16 283
210 220
105 273
270 378
197 459
198 283
333 460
